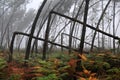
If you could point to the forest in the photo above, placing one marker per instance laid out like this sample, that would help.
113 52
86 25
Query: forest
61 40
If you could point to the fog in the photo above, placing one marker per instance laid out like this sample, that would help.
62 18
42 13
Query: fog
19 16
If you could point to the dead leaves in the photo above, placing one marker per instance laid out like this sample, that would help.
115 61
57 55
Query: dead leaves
86 72
43 68
79 75
81 78
25 72
90 78
56 62
83 57
72 63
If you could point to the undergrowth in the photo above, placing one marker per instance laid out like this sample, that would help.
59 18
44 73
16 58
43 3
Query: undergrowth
62 66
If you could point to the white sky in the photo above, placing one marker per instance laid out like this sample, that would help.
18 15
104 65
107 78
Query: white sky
34 4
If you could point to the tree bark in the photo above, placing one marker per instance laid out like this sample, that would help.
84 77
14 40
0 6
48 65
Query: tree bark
114 26
103 37
83 34
77 39
43 22
101 17
84 27
72 19
45 45
33 30
89 26
71 32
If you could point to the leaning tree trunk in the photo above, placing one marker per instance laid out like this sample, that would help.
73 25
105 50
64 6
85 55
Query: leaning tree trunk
45 45
6 27
33 30
114 26
43 22
101 17
22 38
71 32
83 33
84 27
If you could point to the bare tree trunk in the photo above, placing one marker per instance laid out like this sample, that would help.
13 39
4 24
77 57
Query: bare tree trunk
89 26
114 26
33 30
42 23
71 32
102 28
2 26
24 34
8 37
98 40
83 33
59 34
45 45
40 28
7 27
47 30
101 17
110 38
84 27
77 39
34 47
61 42
22 38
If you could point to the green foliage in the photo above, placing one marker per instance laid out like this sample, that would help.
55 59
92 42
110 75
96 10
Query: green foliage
45 64
97 65
113 77
62 66
113 71
49 77
2 63
113 74
64 76
61 56
2 76
113 60
45 71
15 77
106 65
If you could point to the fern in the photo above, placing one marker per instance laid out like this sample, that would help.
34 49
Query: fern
49 77
14 77
2 63
113 71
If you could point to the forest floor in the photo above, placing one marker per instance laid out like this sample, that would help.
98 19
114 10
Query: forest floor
61 66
